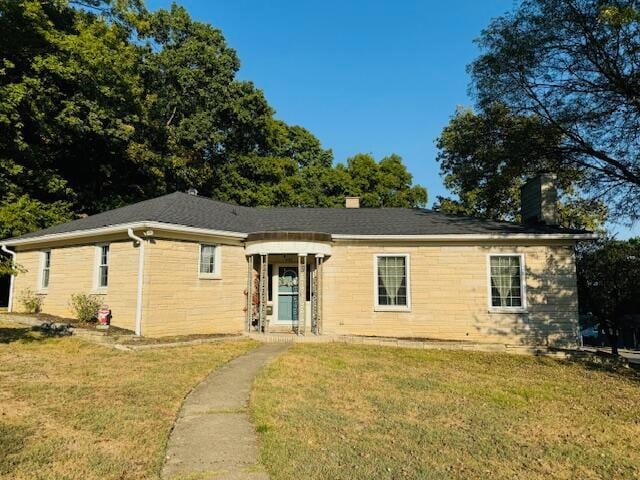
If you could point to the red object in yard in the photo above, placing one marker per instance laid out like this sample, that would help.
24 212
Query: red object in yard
104 315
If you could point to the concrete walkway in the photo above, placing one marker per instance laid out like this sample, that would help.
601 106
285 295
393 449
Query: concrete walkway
213 437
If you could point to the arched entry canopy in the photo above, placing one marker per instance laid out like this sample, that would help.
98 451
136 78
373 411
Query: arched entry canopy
264 243
299 257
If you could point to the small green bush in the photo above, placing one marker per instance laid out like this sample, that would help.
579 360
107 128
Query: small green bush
85 306
31 302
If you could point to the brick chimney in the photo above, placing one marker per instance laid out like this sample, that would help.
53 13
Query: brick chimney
352 202
539 199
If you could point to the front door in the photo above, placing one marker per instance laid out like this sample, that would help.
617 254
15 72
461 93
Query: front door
287 294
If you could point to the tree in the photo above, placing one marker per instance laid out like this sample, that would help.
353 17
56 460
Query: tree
486 157
103 103
609 283
383 184
69 107
574 65
203 123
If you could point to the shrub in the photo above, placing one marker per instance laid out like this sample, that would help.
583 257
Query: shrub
31 302
85 306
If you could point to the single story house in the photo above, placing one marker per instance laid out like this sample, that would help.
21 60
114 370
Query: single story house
184 264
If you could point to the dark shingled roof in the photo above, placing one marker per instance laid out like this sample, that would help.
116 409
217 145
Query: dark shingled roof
193 211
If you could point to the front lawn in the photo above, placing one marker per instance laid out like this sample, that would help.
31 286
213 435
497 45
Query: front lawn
75 410
340 411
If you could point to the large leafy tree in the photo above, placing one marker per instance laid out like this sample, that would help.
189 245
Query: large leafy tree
69 105
104 103
575 65
486 157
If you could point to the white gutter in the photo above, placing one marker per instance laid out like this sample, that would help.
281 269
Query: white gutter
169 227
471 237
140 280
124 227
4 248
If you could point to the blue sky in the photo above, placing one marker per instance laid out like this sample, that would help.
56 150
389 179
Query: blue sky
369 76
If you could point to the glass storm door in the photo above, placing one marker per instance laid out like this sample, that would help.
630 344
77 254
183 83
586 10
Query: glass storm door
287 294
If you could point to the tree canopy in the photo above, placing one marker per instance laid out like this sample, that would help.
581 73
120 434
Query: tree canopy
486 157
574 65
104 103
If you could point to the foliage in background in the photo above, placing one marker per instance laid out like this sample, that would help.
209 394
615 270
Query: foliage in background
609 284
85 306
573 65
31 302
7 267
103 103
486 157
23 214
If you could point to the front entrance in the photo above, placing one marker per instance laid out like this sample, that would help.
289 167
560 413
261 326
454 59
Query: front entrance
284 290
285 284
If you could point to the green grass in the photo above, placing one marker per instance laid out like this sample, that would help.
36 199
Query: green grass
339 411
74 410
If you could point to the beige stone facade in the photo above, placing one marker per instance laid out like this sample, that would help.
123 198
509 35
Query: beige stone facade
178 302
450 294
73 270
448 286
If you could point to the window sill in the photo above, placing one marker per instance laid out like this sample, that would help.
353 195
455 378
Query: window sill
508 310
42 291
99 291
209 276
391 309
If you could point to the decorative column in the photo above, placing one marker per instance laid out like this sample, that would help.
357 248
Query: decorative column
317 293
249 317
264 284
302 293
314 298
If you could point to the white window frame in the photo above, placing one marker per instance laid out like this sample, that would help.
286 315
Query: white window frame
217 274
97 264
41 287
391 308
523 284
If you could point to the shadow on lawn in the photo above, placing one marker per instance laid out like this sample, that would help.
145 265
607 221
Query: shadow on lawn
603 362
9 335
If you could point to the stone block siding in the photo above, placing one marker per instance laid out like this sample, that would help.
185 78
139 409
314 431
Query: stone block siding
449 295
178 302
449 291
73 270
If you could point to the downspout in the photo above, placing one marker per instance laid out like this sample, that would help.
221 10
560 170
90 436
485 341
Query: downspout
140 280
4 248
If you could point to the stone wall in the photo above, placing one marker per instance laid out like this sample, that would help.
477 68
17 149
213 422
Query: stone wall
449 295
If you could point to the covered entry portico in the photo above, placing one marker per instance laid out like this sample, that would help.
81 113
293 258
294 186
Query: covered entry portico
284 281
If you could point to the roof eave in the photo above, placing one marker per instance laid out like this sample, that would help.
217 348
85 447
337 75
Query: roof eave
465 237
123 227
169 227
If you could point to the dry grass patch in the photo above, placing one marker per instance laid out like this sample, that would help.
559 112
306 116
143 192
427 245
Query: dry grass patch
75 410
342 411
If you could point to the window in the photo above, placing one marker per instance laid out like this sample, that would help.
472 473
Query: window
392 289
103 266
209 264
507 282
44 272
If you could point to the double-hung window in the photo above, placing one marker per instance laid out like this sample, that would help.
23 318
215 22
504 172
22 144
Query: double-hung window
45 266
392 282
103 266
209 261
507 285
